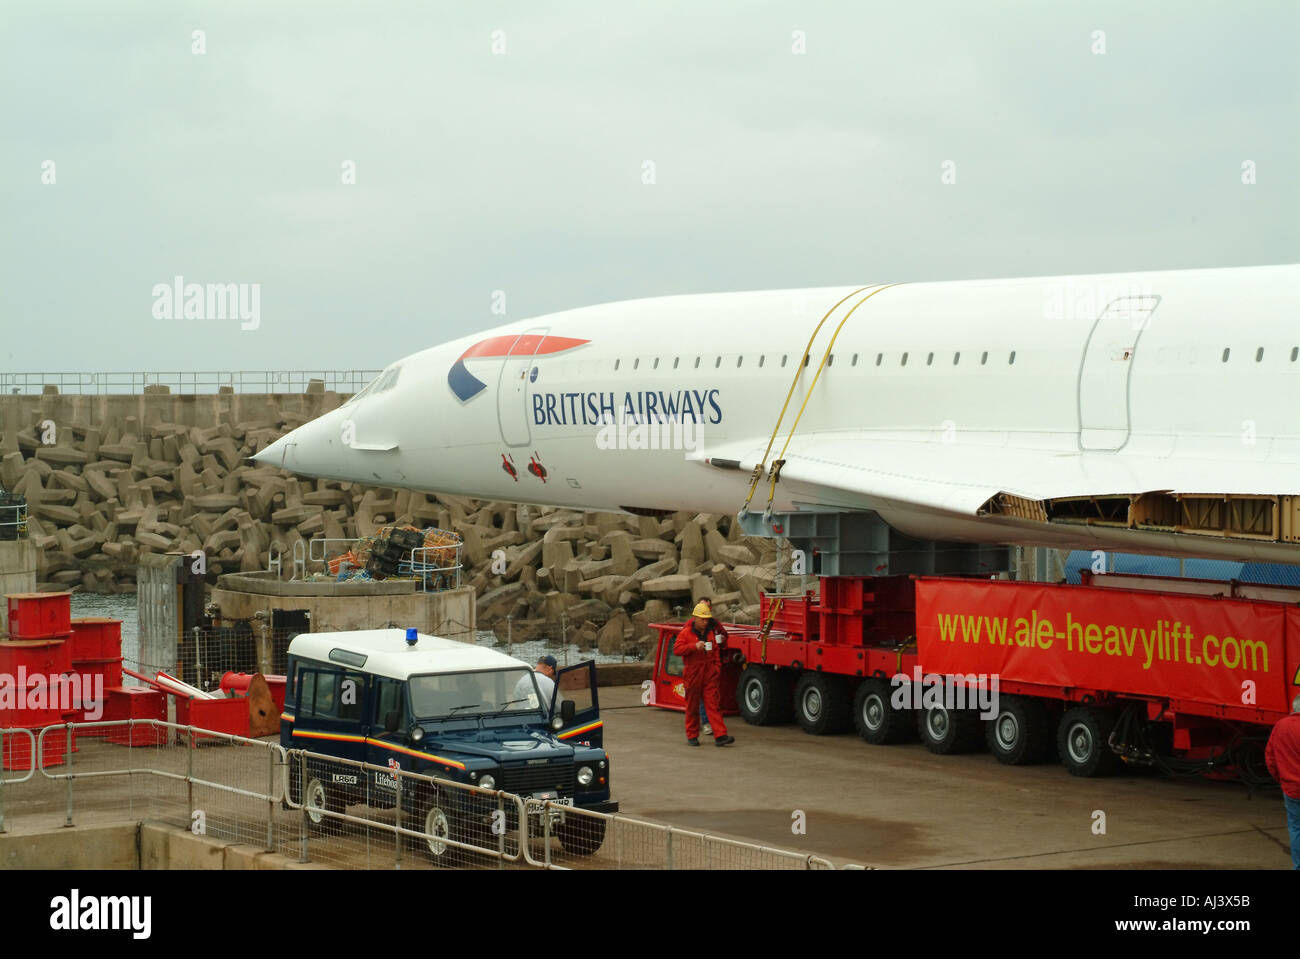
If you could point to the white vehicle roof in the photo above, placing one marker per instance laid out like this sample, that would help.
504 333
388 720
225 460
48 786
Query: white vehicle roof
388 654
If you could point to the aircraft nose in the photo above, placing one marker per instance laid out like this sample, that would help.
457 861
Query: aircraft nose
281 453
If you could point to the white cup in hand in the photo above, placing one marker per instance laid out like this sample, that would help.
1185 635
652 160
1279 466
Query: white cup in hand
708 647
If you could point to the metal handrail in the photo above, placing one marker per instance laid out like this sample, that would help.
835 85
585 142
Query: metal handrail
31 769
423 570
324 557
187 382
278 759
670 832
302 756
19 520
192 733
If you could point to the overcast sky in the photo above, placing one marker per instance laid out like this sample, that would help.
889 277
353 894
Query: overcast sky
504 146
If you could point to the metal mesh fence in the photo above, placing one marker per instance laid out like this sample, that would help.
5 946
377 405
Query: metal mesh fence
569 642
205 655
356 815
333 811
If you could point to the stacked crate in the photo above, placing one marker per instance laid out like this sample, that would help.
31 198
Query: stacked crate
96 645
36 653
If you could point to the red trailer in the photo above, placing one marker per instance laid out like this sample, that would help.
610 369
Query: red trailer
1098 675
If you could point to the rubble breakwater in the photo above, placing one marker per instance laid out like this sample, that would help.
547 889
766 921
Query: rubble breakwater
110 477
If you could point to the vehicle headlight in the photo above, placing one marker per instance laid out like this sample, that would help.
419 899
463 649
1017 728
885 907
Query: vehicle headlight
585 776
557 723
417 734
487 782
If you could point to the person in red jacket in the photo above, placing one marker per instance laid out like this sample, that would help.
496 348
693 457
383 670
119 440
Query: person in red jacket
700 645
1282 755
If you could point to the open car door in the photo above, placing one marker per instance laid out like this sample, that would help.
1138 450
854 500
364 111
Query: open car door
577 684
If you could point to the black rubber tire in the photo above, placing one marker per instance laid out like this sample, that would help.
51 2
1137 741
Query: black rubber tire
581 837
1082 738
946 732
764 696
875 717
1021 733
822 705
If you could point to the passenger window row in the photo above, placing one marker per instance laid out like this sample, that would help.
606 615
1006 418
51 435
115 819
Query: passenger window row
1259 354
830 360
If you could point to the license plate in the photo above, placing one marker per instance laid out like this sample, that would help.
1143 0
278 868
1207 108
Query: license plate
535 801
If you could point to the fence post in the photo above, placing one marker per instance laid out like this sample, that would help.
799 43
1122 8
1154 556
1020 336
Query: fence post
189 771
397 833
270 800
198 660
302 803
3 732
668 857
546 830
499 827
41 759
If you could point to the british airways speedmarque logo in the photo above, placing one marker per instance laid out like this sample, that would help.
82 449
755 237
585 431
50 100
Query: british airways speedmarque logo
466 385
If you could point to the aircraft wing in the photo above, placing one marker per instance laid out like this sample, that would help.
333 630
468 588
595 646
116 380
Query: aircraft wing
967 478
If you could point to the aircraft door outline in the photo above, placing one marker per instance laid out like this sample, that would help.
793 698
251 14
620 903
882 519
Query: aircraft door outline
1106 370
512 388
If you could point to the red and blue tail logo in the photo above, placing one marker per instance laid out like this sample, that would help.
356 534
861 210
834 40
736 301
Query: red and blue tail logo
466 385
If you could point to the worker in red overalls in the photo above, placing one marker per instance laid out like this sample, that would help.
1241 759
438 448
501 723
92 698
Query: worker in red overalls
700 645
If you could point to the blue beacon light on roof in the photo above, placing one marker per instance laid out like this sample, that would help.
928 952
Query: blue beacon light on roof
412 636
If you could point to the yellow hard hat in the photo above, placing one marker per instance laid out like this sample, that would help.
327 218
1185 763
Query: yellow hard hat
703 611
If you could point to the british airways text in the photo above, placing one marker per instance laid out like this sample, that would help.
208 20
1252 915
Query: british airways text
645 406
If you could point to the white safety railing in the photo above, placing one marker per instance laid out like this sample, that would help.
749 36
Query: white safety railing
13 517
16 756
337 811
180 381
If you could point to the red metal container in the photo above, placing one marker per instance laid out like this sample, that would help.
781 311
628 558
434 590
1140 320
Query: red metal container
45 657
16 753
110 669
795 616
135 702
37 701
96 637
237 684
219 715
39 615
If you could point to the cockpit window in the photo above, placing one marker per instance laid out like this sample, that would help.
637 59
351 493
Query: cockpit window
383 382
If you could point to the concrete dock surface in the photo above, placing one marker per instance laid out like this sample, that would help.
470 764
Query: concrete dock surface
902 807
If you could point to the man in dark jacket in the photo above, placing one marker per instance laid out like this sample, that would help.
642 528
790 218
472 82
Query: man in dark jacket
1282 755
700 645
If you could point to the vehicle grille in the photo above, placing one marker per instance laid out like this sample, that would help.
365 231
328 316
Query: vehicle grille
525 780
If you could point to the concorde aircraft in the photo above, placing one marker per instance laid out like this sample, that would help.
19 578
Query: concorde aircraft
1149 412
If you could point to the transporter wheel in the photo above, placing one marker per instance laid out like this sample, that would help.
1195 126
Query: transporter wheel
581 836
875 717
1083 741
1021 732
763 695
821 703
947 731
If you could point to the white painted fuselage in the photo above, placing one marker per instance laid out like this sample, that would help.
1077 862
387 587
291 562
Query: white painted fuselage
933 397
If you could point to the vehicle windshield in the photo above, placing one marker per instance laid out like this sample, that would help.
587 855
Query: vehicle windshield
474 694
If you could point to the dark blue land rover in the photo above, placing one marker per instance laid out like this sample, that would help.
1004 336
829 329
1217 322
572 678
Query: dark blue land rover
441 708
